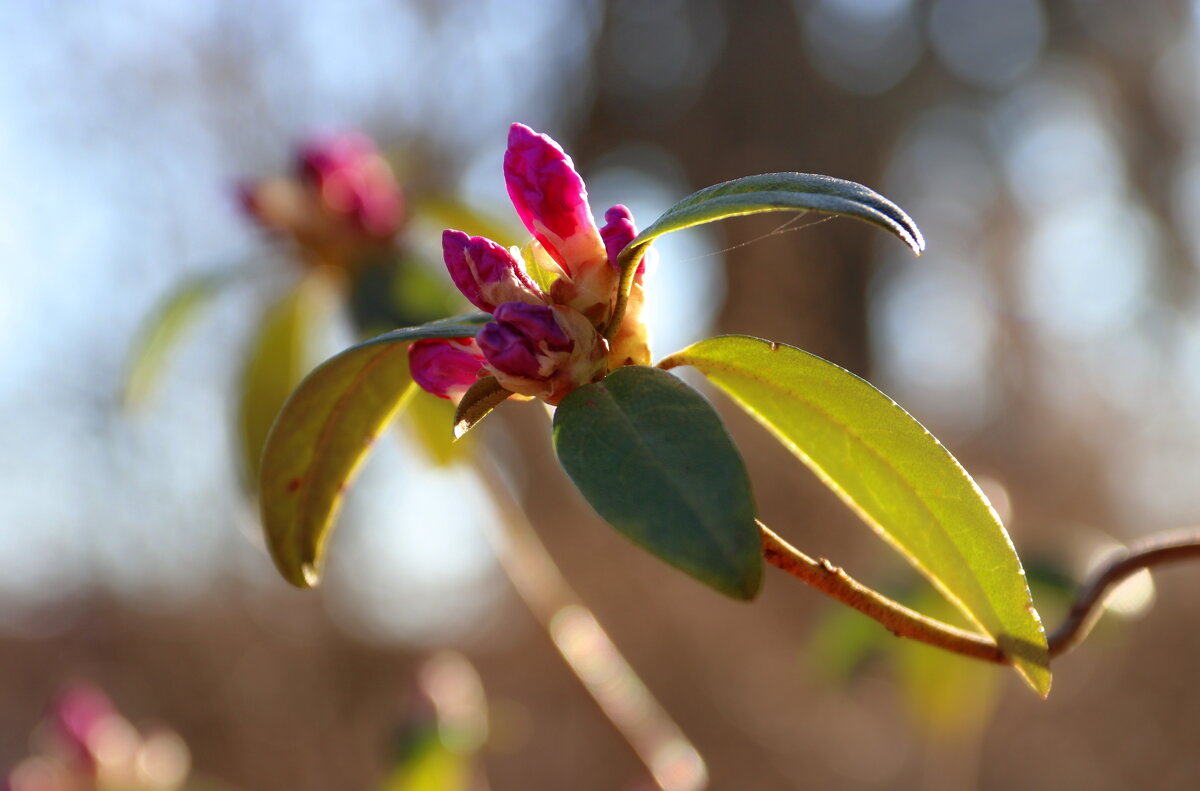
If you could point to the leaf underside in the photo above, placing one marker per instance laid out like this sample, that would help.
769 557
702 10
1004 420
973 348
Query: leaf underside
324 432
277 359
777 192
652 457
893 473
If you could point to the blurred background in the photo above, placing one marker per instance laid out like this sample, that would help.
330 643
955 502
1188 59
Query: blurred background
1050 151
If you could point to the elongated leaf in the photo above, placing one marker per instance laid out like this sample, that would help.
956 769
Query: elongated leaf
654 460
324 432
164 329
477 403
278 357
889 469
777 192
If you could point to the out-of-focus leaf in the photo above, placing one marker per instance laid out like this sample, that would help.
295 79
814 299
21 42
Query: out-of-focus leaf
278 356
431 419
652 457
430 766
401 291
777 192
164 328
477 403
322 435
894 473
445 212
950 697
843 641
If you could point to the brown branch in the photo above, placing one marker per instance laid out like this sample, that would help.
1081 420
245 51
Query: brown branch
1154 550
899 620
903 622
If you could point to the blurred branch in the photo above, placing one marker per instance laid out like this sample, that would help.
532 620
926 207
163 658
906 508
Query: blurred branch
821 574
674 763
1154 550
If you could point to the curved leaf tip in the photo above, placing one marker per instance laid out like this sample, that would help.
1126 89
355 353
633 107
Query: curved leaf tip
779 192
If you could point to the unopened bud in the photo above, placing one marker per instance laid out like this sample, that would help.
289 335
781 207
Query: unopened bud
445 367
486 273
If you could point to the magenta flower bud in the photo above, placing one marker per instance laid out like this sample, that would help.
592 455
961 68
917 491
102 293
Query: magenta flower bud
445 367
353 180
551 200
509 352
520 340
617 233
536 322
543 351
486 273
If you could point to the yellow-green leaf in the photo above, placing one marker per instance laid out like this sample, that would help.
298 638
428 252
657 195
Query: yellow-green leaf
431 420
894 473
278 357
159 334
323 434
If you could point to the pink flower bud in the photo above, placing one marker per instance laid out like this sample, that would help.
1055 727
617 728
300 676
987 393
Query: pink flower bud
542 350
551 200
618 231
521 339
353 181
445 367
76 715
486 273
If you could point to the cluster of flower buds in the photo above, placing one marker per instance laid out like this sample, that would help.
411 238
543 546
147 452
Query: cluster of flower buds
342 200
86 745
541 343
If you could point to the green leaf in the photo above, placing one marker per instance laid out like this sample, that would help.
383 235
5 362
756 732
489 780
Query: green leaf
950 697
324 432
278 357
430 420
652 457
776 192
893 473
163 330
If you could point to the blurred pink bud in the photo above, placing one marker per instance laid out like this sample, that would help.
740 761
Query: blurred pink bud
76 716
486 273
354 181
551 200
445 367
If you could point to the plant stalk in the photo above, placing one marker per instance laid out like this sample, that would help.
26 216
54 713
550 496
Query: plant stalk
821 574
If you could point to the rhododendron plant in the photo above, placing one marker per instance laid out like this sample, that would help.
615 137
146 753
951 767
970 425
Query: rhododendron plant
540 343
562 322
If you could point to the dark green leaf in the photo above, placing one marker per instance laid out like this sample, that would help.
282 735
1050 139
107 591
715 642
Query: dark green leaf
324 432
894 473
652 457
